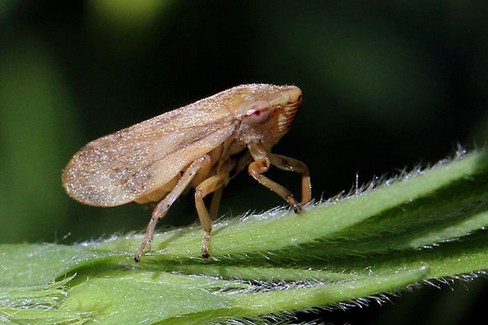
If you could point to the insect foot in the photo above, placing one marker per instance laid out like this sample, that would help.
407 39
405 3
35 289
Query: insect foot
138 253
297 208
206 238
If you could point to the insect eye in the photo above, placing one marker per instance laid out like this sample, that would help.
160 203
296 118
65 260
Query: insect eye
258 112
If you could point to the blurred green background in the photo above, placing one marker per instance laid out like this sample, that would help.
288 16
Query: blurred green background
387 85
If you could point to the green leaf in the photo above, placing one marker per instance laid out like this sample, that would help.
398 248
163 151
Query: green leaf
421 226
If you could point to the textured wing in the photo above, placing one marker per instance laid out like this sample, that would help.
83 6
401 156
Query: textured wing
123 166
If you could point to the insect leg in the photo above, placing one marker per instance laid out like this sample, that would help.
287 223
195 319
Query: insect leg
256 170
259 166
214 205
210 185
294 165
163 206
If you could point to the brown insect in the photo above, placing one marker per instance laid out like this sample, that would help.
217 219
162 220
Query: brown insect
202 145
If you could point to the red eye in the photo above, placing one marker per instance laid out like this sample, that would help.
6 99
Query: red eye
258 112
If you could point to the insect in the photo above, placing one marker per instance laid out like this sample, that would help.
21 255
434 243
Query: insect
202 146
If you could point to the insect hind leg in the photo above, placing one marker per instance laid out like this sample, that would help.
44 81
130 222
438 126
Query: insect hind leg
163 206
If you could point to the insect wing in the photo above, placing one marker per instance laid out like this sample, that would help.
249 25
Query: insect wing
123 166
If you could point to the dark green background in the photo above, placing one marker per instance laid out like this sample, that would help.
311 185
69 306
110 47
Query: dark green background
387 85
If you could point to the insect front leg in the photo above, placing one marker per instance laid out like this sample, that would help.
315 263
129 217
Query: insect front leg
294 165
210 185
261 165
163 206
